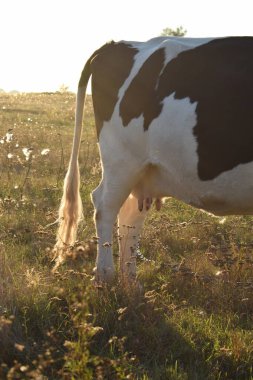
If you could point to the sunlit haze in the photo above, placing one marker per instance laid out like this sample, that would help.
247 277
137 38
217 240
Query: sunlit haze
45 43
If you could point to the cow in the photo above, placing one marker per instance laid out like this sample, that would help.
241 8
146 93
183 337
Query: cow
174 117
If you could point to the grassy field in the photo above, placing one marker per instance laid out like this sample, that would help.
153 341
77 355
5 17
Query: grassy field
191 319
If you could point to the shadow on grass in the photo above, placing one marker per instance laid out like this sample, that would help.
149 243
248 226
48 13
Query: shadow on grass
150 337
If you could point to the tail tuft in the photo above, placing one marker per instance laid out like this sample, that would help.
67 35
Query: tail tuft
70 214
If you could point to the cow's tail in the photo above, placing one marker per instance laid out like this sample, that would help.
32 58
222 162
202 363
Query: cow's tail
70 211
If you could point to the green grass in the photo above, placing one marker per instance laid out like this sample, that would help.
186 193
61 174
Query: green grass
191 317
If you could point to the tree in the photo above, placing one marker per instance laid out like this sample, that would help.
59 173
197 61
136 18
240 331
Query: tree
178 32
63 88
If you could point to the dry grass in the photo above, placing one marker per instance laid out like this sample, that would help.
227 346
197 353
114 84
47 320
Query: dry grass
192 316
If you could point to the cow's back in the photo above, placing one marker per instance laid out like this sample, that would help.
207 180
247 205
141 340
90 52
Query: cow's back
184 108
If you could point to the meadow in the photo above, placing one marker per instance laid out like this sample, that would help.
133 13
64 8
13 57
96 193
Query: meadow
190 318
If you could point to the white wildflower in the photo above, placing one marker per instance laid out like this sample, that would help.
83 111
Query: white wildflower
27 152
45 152
10 155
218 273
9 136
2 141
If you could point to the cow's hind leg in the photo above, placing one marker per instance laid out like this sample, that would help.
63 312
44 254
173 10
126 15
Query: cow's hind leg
130 221
107 199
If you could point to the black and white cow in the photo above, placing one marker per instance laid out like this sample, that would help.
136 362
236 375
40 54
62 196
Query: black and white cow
174 117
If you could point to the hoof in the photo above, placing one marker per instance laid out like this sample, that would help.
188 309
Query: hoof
128 278
132 284
104 275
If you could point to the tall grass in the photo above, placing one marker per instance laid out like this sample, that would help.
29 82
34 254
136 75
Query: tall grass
191 315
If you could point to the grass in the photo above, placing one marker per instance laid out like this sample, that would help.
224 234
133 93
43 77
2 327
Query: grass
191 317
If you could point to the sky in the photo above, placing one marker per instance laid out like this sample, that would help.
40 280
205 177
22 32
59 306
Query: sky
44 43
